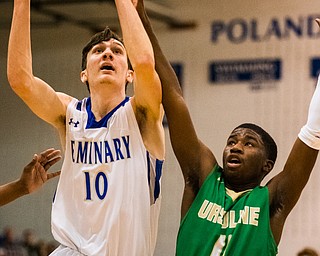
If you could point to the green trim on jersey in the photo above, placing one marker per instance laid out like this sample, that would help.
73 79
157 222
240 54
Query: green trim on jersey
217 225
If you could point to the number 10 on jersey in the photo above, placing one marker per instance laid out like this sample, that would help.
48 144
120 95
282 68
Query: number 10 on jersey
97 184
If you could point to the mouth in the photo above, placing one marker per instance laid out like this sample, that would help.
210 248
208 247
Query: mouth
107 67
233 161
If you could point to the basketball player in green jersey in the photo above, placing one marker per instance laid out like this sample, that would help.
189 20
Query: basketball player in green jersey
225 211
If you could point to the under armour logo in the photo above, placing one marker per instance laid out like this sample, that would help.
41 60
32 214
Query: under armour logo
75 124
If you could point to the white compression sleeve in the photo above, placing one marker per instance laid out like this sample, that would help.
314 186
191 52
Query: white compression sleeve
310 132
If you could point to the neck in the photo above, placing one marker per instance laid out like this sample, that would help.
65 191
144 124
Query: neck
102 104
240 187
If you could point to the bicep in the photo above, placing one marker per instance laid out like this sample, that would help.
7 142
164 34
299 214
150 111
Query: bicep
286 187
46 103
147 91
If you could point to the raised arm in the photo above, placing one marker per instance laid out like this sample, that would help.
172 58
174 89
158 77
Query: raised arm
195 159
285 188
39 96
147 87
34 175
189 150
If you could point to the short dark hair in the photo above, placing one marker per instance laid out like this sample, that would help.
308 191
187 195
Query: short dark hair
268 141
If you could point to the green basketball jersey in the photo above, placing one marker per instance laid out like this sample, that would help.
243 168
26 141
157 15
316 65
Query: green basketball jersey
217 225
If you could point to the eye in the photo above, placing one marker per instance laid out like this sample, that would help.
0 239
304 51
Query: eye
231 142
249 144
117 50
97 50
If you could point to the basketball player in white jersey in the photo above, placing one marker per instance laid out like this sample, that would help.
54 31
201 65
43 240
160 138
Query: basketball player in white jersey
108 196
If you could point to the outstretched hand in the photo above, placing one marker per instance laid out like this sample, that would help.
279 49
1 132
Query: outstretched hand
35 174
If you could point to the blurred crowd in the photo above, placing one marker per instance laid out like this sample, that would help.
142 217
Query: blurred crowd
26 244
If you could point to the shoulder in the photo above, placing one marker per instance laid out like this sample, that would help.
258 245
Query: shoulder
65 98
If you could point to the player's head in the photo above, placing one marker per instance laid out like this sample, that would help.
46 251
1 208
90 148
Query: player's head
268 141
249 155
106 35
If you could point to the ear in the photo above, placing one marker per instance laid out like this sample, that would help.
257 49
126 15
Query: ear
130 75
83 76
268 166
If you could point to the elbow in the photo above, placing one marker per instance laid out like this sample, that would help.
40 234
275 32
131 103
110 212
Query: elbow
13 79
144 62
18 79
13 76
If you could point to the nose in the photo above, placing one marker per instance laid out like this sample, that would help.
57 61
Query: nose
107 54
237 148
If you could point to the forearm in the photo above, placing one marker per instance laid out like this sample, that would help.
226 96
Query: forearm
183 136
11 191
19 49
286 187
166 73
136 40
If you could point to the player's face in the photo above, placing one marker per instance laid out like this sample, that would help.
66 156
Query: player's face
244 159
107 63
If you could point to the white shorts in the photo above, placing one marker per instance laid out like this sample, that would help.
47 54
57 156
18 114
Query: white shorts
65 251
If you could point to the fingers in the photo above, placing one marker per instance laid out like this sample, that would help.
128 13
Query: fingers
49 157
46 152
47 165
41 173
49 153
35 174
32 164
53 174
45 176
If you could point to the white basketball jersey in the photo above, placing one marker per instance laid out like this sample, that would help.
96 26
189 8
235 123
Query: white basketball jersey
108 196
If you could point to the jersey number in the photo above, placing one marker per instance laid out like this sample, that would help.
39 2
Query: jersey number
99 183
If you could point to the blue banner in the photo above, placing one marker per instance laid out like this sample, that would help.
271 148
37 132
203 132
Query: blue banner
245 71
